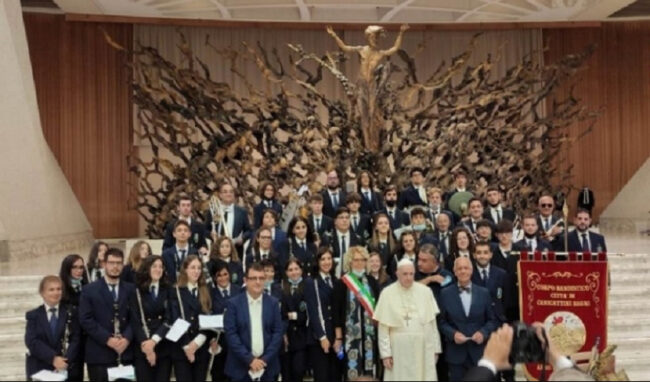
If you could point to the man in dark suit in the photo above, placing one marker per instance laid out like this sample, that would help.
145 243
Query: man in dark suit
466 320
583 240
491 277
550 227
318 222
396 216
502 258
254 330
359 223
495 211
342 238
174 256
333 195
415 194
460 185
233 221
434 195
46 328
431 274
104 315
197 229
443 234
475 207
532 241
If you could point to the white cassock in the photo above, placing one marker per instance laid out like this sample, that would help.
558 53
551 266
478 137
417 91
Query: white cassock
408 332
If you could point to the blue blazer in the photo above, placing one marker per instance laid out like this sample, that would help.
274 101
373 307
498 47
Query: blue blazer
237 327
96 318
241 225
196 240
596 241
369 207
307 257
323 303
259 209
401 218
192 309
498 286
326 225
297 330
452 318
42 346
522 245
157 313
410 197
171 263
219 302
328 205
364 226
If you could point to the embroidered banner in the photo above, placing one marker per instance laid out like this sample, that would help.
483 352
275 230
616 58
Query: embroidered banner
570 298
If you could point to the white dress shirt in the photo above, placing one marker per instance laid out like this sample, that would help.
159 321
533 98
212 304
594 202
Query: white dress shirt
230 222
255 316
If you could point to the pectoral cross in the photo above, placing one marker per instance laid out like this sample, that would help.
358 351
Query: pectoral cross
407 318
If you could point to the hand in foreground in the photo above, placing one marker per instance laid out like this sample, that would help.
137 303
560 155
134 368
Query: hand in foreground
498 347
388 363
257 365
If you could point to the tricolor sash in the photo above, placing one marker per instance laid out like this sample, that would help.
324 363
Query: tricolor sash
360 292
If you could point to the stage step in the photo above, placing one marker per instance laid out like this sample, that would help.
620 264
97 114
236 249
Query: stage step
628 324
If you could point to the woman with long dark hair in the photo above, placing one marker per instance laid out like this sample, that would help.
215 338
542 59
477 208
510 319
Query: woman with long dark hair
461 244
74 277
267 193
192 297
318 295
408 249
301 244
371 200
150 316
96 260
294 313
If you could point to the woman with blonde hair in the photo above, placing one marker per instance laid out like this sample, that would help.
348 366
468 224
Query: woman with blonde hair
354 298
140 251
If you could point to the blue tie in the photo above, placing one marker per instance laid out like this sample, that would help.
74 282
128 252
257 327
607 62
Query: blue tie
153 292
54 320
113 292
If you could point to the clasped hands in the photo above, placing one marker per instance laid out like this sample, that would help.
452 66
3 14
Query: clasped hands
257 364
460 338
118 343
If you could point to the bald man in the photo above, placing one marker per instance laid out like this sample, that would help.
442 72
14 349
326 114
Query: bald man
466 320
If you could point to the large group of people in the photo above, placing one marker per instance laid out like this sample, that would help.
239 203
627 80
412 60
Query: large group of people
385 284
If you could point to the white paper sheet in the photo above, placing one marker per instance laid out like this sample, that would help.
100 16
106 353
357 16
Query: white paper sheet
49 375
256 375
121 372
214 321
177 330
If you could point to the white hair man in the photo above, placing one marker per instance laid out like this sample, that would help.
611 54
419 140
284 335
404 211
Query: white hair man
409 343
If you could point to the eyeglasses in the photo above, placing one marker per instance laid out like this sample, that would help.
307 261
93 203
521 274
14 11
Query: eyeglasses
546 205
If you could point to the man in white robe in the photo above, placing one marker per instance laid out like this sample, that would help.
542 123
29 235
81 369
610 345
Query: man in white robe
409 343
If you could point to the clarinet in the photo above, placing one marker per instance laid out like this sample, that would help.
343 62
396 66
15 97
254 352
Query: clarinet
65 344
116 328
206 271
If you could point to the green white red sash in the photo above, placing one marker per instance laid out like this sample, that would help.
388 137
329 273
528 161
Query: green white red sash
362 293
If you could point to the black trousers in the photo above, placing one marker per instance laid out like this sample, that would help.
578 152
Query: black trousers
326 366
193 372
294 364
145 372
218 371
76 368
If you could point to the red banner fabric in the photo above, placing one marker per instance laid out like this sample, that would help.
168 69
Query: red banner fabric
570 298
